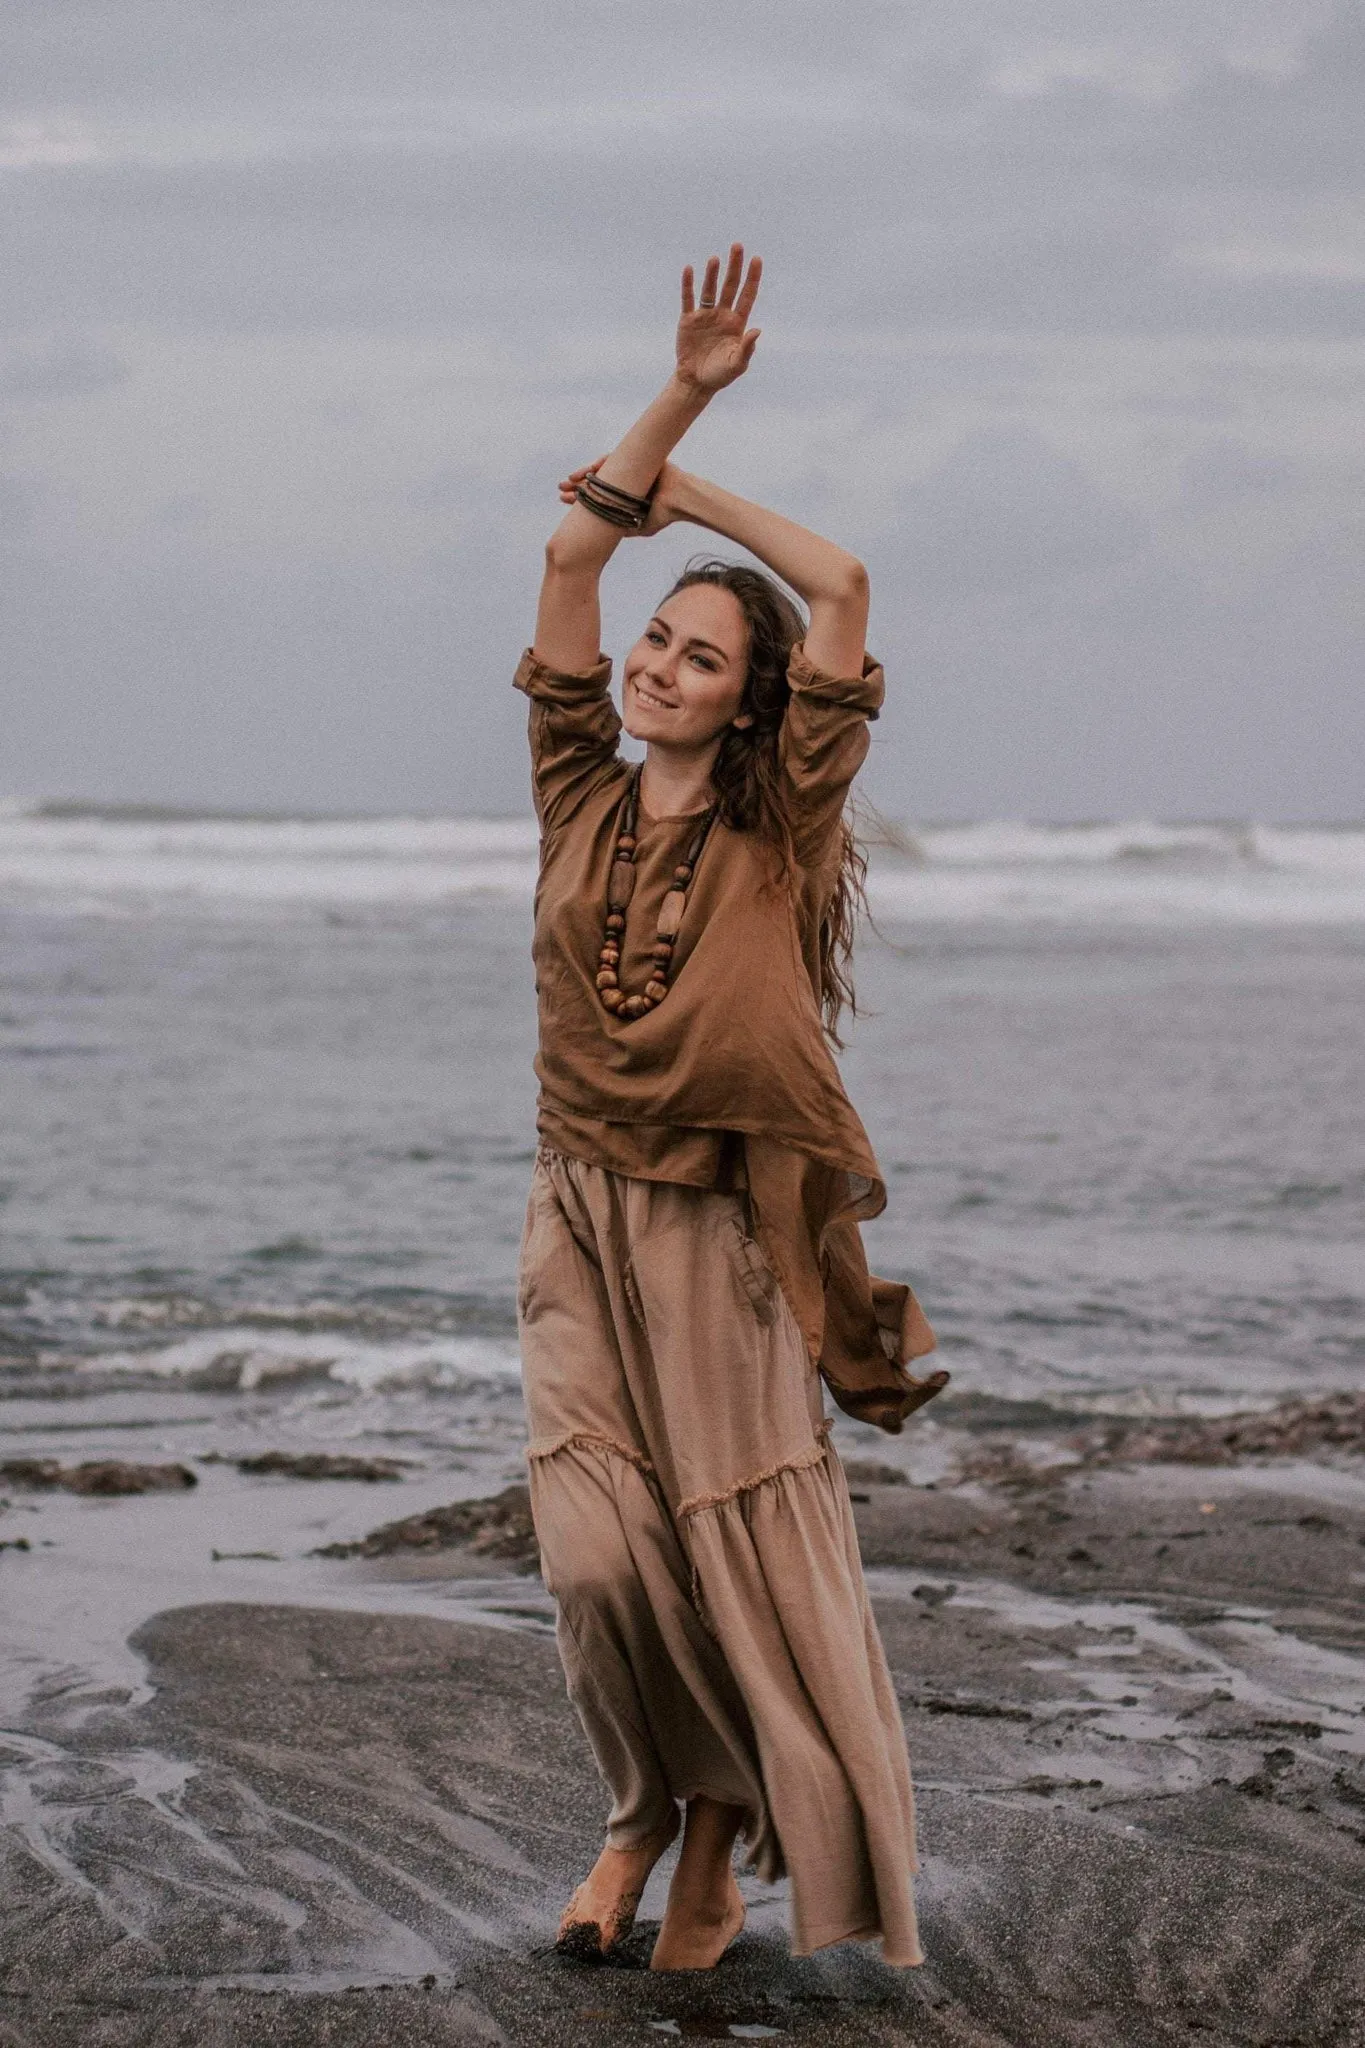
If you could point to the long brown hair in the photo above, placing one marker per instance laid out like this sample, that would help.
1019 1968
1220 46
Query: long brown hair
747 778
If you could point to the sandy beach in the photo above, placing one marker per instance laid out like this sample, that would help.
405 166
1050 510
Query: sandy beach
1135 1700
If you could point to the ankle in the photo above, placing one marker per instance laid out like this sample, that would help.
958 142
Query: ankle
708 1876
705 1908
696 1933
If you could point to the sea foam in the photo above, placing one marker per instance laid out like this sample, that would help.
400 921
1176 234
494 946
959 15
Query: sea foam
243 1359
136 860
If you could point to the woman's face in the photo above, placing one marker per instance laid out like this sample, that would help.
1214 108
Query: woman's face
684 677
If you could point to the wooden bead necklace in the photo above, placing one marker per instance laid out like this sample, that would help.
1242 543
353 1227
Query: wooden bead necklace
620 887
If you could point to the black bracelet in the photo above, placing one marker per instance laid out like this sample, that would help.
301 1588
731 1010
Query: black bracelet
625 520
630 521
626 498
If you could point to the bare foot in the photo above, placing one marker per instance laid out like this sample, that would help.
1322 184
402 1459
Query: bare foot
705 1911
601 1912
695 1937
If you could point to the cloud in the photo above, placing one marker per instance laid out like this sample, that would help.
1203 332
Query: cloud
45 141
61 368
1253 258
1225 469
1005 513
1062 324
1133 74
20 497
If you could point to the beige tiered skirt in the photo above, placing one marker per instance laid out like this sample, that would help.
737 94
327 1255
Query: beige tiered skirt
696 1534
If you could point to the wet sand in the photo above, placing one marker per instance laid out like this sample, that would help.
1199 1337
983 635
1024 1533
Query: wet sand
1135 1700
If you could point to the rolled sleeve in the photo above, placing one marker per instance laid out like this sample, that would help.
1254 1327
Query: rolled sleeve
824 744
574 733
545 685
863 694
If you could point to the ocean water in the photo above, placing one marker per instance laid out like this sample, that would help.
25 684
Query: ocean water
266 1105
267 1122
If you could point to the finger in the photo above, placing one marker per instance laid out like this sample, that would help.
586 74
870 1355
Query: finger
744 304
688 302
568 485
748 345
732 274
710 276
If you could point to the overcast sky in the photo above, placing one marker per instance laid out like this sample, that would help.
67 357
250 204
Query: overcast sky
307 304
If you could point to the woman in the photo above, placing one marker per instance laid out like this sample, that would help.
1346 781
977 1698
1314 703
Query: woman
692 1262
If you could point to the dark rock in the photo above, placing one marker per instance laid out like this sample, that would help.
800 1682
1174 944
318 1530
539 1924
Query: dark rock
104 1476
871 1472
1349 1790
1293 1429
322 1465
1264 1783
1290 1430
933 1596
500 1527
31 1472
1045 1785
974 1710
1009 1465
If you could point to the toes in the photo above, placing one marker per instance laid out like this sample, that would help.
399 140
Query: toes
581 1942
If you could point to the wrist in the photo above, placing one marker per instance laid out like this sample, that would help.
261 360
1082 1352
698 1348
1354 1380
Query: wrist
692 498
695 397
684 496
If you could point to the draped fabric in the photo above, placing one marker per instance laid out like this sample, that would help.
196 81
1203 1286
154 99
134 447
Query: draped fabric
696 1533
729 1083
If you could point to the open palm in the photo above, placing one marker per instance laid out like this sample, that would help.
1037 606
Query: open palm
715 341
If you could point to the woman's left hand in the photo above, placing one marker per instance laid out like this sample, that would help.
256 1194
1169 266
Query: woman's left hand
663 507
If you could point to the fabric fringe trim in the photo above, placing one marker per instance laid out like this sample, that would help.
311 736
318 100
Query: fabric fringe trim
703 1503
587 1439
699 1601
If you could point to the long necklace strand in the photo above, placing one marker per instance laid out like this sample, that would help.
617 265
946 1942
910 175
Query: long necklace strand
620 888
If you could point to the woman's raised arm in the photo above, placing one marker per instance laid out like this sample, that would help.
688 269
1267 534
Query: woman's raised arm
832 582
714 346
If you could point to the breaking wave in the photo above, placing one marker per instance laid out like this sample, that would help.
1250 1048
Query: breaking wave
139 859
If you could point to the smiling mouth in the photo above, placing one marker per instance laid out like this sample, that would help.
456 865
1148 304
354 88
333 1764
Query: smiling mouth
648 697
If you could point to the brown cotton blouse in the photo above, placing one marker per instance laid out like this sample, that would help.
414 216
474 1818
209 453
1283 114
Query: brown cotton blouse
730 1082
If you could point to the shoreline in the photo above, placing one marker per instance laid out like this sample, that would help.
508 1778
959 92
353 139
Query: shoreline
1135 1701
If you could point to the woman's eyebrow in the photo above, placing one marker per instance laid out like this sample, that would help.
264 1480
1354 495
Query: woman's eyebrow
710 645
